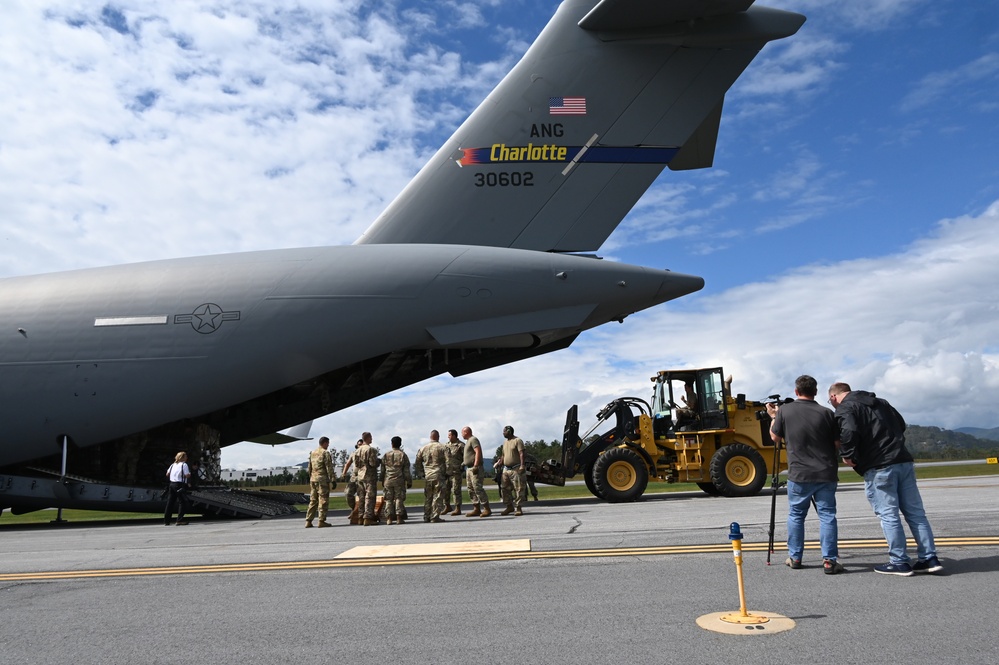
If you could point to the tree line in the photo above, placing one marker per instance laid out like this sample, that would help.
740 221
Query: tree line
934 443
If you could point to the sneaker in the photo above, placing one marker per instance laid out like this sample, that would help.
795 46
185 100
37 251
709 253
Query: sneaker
903 569
794 564
931 565
832 567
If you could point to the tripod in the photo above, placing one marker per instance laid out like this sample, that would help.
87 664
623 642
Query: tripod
774 486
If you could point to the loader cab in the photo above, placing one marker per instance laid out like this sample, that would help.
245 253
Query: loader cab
688 401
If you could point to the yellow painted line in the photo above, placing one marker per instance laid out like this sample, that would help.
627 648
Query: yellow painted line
467 557
436 549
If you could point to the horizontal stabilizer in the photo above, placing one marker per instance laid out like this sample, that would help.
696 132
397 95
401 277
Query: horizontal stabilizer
296 433
611 15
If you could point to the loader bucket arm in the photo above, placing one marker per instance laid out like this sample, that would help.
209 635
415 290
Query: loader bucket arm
570 442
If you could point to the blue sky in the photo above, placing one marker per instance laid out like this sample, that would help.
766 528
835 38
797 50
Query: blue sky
847 229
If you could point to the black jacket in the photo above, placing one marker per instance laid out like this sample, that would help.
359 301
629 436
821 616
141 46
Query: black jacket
871 431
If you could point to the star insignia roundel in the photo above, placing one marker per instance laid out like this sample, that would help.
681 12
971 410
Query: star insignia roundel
206 318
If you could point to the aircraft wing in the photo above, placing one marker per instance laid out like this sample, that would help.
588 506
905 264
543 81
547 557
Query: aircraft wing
297 433
609 94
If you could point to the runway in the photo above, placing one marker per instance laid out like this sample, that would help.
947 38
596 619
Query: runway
464 552
596 583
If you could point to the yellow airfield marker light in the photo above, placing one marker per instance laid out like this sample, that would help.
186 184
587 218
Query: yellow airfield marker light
735 535
992 460
743 622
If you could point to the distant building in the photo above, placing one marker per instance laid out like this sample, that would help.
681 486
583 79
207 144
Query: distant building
253 474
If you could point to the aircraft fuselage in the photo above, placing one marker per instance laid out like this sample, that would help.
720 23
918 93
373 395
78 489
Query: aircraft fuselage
103 353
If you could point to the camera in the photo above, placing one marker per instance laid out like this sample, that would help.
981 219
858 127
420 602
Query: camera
772 399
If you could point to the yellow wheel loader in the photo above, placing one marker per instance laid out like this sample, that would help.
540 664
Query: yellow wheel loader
693 431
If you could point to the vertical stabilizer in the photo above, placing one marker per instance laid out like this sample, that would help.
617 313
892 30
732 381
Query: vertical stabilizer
610 93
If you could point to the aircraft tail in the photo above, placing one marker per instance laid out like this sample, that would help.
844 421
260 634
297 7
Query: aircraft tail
610 93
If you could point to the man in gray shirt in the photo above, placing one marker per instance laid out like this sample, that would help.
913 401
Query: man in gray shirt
812 440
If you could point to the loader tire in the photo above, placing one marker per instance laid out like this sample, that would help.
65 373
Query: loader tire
588 479
709 489
620 475
738 470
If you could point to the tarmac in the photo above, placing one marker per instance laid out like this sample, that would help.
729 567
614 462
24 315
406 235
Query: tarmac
579 581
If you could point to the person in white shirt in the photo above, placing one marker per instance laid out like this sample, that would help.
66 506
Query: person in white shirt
178 474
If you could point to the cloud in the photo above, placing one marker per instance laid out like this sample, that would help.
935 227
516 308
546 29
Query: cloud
668 212
900 324
155 131
797 66
869 16
972 84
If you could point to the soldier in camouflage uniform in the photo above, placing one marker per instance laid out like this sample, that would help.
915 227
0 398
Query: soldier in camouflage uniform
396 479
474 472
498 471
320 475
513 472
431 463
452 485
366 462
350 477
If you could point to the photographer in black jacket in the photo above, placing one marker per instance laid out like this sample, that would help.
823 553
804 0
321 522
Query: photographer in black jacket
872 438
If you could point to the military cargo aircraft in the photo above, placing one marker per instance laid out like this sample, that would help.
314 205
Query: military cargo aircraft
480 261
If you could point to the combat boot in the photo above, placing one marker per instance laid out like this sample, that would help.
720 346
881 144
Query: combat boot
368 521
486 512
457 511
447 509
389 521
475 512
507 511
435 520
323 524
308 525
518 512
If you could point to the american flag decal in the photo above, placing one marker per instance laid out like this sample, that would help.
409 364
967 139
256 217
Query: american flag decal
567 105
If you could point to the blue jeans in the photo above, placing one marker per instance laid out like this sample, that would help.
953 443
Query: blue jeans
893 489
799 496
